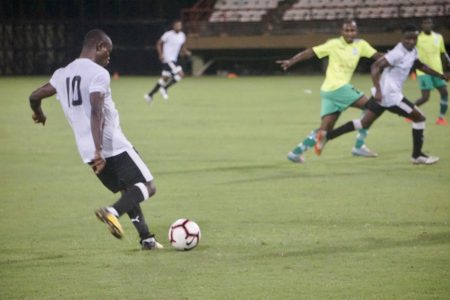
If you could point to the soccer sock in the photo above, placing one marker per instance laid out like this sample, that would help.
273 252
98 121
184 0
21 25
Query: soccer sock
159 84
417 134
171 82
347 127
307 143
131 198
444 106
138 220
362 134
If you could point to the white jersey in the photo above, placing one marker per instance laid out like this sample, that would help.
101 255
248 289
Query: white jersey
73 85
172 43
391 82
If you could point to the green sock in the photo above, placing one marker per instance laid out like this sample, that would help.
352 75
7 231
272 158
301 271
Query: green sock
362 133
307 143
444 106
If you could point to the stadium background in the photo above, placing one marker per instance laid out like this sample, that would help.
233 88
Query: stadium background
239 36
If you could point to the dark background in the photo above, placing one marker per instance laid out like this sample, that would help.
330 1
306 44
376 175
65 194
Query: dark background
38 36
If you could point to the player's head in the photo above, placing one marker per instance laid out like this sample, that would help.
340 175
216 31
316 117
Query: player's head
426 25
177 25
99 45
349 30
409 36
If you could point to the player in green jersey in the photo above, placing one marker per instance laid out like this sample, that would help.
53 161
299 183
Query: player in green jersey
337 94
431 51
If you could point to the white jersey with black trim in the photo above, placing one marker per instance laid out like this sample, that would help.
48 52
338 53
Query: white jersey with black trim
172 43
73 85
401 60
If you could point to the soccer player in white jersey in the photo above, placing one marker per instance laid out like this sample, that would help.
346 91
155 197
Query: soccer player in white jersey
388 75
169 47
431 51
83 90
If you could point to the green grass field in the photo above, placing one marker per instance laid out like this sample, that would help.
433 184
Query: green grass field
337 227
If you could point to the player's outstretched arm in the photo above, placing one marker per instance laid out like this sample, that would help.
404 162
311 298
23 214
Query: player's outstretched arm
304 55
426 69
45 91
377 56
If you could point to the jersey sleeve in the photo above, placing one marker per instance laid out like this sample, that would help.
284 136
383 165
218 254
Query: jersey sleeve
393 57
54 79
323 49
442 47
165 36
100 83
367 50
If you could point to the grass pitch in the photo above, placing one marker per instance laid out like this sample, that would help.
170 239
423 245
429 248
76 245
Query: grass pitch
337 227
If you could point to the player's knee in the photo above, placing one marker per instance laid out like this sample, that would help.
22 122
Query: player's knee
151 188
178 77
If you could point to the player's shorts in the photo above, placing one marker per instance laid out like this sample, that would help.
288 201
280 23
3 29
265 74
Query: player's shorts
171 69
338 100
123 171
403 108
428 82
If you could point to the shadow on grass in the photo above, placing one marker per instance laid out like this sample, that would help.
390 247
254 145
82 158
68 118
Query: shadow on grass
370 244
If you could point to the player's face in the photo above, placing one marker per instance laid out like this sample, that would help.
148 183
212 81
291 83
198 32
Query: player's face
349 32
409 40
177 26
104 50
427 25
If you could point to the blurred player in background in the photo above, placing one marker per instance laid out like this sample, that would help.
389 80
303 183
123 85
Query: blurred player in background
169 47
431 51
83 90
388 75
337 93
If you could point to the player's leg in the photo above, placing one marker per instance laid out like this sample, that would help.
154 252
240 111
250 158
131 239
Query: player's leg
443 92
160 84
108 214
373 112
360 148
136 181
426 85
406 109
327 123
177 74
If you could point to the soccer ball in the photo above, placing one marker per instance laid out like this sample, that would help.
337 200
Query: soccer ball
184 234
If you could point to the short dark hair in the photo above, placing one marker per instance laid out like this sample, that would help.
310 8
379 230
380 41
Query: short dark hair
410 28
349 21
93 37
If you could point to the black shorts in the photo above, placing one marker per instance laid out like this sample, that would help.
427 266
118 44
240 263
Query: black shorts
123 171
171 69
403 109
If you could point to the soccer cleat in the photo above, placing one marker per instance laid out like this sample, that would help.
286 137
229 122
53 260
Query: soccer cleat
364 152
424 160
321 140
111 221
150 243
441 121
148 98
408 120
299 159
163 93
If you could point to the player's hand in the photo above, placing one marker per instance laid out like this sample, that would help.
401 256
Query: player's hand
39 118
98 163
284 64
378 95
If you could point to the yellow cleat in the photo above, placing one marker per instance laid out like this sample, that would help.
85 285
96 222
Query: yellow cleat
111 220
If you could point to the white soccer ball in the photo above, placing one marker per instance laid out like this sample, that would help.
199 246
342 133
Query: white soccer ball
184 234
